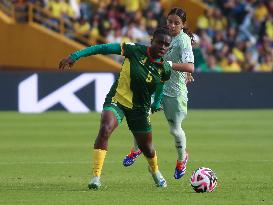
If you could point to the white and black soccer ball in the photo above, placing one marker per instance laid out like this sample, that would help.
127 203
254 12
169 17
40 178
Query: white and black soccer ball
203 180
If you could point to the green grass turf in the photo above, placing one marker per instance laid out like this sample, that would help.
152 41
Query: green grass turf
46 159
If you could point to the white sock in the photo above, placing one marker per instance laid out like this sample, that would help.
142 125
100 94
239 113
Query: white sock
179 139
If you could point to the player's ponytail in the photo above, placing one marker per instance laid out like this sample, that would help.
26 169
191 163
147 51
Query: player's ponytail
183 16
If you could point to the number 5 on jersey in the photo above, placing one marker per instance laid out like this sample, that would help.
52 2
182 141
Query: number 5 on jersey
149 77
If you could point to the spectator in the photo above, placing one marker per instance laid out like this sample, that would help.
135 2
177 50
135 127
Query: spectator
85 9
260 12
249 65
230 64
267 63
204 21
82 28
240 29
210 65
219 22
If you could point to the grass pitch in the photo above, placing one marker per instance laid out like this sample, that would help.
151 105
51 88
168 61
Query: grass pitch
46 159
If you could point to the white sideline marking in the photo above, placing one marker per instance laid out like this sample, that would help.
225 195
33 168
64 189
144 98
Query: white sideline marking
113 162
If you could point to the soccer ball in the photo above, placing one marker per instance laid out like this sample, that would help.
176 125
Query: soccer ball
203 180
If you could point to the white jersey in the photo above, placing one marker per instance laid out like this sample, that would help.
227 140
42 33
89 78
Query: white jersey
180 52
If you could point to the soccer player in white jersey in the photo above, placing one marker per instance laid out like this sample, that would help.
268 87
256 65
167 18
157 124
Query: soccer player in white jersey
174 96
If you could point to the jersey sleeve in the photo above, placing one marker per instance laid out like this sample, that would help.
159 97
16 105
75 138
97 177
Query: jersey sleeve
185 50
127 49
104 49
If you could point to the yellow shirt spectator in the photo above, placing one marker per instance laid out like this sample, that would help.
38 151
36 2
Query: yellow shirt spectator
131 5
267 64
219 24
238 54
55 8
269 28
67 9
265 67
261 12
202 22
82 27
230 65
94 33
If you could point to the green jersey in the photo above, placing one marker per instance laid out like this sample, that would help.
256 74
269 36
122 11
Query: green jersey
180 52
138 79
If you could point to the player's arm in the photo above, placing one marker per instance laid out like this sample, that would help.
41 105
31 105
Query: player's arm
156 105
184 67
104 49
189 78
186 57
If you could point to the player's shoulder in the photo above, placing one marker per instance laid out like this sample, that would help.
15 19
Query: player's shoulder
184 36
184 39
128 43
134 45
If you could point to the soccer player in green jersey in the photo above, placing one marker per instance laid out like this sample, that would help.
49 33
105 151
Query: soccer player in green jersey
174 98
143 70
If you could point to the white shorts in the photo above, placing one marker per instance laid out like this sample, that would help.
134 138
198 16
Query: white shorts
175 109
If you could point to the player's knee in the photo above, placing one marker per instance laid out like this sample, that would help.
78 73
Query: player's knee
175 131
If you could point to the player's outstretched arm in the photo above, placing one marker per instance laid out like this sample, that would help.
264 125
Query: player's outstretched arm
104 49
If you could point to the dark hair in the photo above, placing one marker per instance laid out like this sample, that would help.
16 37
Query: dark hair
182 14
162 30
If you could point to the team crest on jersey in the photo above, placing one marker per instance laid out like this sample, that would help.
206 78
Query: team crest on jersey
143 61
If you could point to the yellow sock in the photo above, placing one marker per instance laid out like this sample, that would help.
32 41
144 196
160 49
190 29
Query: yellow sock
98 160
153 163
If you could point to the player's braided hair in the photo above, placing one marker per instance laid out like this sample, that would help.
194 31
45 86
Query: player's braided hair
162 30
182 14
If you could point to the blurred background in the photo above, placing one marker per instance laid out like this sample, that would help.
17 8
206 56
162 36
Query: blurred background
233 43
46 158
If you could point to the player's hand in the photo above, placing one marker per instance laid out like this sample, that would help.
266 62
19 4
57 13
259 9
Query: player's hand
66 63
189 78
156 107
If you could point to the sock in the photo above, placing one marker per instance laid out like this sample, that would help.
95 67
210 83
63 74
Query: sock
98 160
135 148
153 163
180 141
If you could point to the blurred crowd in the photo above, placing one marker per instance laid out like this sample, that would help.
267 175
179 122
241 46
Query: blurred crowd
102 21
231 35
236 35
113 20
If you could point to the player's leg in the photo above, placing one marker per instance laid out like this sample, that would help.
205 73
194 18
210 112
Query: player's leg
139 124
110 118
175 110
144 141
